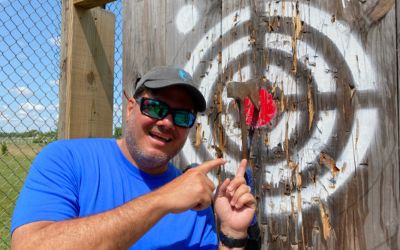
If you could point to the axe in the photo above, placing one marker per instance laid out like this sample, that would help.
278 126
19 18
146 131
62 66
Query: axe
239 91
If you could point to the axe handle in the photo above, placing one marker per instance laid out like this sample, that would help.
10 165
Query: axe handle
252 128
243 128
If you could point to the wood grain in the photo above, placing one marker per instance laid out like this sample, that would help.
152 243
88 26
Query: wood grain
87 73
144 41
315 189
88 4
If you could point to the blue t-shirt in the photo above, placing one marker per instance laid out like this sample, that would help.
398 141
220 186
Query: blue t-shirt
77 178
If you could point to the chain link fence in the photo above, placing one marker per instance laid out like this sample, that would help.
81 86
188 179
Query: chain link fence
30 32
116 8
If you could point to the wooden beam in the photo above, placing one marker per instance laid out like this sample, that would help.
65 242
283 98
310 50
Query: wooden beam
86 84
88 4
397 6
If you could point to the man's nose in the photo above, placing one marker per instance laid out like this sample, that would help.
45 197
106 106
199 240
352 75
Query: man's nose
167 121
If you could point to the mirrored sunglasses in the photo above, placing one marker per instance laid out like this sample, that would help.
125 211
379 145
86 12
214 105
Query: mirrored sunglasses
159 110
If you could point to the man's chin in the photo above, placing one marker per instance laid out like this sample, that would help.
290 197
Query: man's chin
152 159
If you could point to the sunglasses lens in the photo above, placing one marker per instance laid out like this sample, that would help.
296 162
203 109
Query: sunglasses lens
154 108
159 110
184 118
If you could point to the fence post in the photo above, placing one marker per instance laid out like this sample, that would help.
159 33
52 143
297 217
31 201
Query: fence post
87 4
87 68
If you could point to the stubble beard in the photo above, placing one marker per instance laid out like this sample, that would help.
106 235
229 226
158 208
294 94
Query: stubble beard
143 159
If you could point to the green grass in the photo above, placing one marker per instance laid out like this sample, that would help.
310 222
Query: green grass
14 166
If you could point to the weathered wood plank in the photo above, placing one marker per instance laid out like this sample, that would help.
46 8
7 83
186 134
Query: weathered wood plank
87 73
172 33
194 38
297 35
63 66
326 166
88 4
144 41
374 210
397 4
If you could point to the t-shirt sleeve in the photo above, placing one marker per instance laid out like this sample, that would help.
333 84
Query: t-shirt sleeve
50 191
209 239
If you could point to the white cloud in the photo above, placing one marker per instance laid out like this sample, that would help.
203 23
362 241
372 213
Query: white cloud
13 119
53 107
21 90
3 116
29 116
55 41
117 108
5 124
21 114
29 107
53 82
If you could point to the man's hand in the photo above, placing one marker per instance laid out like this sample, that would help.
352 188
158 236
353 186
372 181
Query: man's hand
192 190
235 205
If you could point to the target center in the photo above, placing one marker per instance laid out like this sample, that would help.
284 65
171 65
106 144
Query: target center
265 114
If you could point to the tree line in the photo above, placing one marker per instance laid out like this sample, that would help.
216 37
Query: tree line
35 136
45 136
28 134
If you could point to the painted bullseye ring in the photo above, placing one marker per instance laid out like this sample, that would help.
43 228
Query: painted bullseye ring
360 134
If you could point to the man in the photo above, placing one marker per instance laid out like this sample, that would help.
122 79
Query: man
107 194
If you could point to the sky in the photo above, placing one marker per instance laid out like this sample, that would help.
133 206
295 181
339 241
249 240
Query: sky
30 34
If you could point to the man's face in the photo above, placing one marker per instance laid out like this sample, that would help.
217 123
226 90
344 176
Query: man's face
151 142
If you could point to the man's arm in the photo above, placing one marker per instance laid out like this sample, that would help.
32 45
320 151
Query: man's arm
121 227
115 229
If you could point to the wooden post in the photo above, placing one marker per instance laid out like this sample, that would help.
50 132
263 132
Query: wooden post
398 71
87 67
88 4
397 6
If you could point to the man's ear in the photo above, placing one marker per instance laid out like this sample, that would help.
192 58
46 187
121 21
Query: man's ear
130 102
130 106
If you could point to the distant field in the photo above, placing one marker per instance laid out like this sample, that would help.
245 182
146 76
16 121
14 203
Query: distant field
14 166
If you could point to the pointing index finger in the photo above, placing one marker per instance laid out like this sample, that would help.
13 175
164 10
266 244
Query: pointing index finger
210 165
242 168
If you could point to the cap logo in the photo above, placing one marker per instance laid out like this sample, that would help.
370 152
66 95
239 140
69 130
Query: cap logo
183 75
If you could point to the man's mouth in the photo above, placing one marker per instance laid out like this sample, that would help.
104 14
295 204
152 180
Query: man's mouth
160 137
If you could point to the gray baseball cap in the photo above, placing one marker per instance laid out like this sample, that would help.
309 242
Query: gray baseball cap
164 76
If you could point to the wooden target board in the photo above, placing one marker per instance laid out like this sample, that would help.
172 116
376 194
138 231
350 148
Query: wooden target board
324 145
